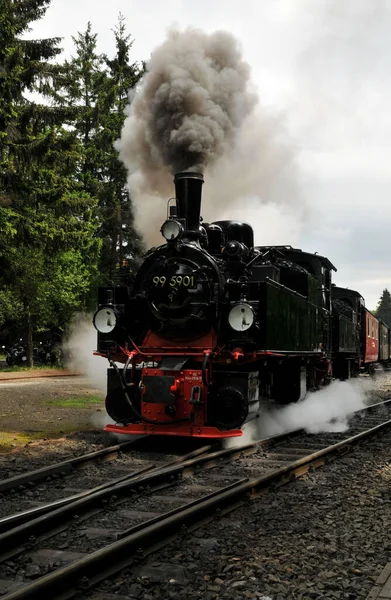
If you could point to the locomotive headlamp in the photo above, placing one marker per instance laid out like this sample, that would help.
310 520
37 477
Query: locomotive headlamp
241 317
171 230
105 320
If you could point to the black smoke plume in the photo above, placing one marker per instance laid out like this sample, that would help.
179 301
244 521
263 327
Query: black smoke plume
191 102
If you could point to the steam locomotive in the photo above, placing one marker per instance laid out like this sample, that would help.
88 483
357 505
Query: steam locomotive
212 328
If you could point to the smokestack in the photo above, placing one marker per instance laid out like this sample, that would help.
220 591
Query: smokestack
188 191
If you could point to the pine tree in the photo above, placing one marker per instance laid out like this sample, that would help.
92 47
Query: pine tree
81 93
383 310
121 241
44 211
24 66
97 90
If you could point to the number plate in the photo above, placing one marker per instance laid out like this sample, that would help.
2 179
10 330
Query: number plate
174 281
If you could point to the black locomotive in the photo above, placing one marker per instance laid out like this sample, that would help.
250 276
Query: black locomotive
211 327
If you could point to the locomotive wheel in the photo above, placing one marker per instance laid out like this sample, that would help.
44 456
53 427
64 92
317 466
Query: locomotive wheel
118 408
230 408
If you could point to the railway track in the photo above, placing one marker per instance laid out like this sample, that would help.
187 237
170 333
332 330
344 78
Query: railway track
32 493
39 491
67 551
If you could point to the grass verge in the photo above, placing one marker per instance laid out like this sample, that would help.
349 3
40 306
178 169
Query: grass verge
76 402
9 440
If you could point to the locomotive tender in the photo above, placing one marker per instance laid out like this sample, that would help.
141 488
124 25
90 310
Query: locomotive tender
211 328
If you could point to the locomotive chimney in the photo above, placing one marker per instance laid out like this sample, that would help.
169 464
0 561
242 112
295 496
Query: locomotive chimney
188 191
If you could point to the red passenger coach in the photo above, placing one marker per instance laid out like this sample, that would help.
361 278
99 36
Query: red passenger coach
370 331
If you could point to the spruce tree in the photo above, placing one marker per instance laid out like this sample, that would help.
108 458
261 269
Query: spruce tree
121 241
97 89
383 310
85 75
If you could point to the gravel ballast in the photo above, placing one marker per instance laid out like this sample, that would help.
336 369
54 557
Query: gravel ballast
324 536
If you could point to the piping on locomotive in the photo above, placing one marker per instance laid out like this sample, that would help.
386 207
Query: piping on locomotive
211 328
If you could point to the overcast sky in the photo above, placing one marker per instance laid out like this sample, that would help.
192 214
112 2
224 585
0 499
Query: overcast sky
323 68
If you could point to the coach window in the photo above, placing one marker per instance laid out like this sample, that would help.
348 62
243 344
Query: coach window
369 331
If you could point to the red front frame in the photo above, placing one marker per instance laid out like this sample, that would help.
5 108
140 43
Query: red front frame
174 430
185 382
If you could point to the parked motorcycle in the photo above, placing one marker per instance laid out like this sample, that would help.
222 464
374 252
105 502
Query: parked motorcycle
42 354
16 355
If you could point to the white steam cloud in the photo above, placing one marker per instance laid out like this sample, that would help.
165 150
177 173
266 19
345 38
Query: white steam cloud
78 351
196 109
325 410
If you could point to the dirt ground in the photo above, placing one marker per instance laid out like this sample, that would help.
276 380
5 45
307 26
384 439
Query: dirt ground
47 407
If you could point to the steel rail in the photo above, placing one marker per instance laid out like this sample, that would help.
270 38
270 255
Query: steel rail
63 467
68 581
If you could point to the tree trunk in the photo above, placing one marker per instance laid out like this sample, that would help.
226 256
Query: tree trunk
29 345
120 236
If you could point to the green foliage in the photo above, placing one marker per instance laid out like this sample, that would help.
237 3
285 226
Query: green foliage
10 307
49 250
383 310
66 219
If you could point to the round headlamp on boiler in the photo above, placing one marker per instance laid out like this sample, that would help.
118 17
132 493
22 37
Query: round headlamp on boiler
105 319
241 317
171 230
